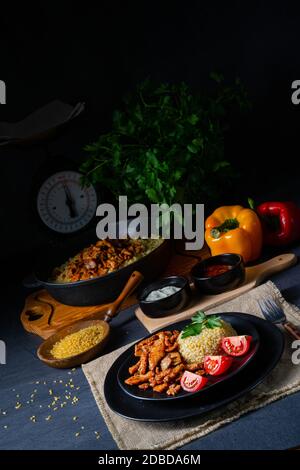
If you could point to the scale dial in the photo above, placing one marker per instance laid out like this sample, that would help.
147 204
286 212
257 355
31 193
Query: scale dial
64 205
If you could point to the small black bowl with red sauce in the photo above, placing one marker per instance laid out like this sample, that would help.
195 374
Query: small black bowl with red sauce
218 274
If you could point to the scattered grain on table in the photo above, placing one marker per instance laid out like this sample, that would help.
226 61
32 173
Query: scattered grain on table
55 403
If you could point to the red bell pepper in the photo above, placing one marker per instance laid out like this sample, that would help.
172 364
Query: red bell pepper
281 222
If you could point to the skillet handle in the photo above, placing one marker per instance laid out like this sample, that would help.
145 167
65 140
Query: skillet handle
31 281
134 280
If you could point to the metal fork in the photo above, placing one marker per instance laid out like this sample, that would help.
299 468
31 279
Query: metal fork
274 313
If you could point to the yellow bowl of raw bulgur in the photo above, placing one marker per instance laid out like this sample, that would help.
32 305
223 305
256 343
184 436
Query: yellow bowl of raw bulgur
75 344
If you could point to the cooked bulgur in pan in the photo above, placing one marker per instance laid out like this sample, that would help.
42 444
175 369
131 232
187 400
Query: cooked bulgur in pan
103 257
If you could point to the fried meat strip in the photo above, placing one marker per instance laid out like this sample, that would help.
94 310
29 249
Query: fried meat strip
173 389
133 369
144 386
98 259
172 358
172 348
139 379
160 388
175 358
171 338
159 377
143 363
160 365
166 362
144 345
157 352
174 373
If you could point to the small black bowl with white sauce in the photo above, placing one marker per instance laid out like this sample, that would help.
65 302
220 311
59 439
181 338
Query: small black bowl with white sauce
165 296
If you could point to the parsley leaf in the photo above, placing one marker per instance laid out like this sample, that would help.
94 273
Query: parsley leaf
213 322
199 322
199 317
192 330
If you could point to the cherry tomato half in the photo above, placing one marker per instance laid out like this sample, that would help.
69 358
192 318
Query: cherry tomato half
236 345
217 365
192 382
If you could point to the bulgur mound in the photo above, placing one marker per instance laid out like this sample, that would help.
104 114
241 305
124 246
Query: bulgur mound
208 342
77 343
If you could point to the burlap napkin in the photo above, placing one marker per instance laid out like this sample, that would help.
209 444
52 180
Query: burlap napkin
284 380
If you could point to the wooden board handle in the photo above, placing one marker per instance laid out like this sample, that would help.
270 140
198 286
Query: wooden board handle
270 267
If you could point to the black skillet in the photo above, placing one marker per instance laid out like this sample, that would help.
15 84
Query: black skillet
99 290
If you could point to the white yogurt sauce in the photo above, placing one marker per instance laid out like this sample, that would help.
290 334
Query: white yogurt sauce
161 293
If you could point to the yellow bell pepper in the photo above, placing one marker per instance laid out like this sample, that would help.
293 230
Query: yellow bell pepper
234 229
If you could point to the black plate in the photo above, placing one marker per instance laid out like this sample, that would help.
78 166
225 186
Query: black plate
268 355
242 327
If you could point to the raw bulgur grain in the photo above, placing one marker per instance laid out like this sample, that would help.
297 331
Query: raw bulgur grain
77 342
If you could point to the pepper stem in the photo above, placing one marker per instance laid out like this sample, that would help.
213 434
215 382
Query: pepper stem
251 203
228 224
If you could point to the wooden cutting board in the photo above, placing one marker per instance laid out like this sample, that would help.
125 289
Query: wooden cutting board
254 276
43 315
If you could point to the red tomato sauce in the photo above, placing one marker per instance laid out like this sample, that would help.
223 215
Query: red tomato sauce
216 270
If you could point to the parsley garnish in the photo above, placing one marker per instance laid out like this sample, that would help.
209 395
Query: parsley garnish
199 322
166 144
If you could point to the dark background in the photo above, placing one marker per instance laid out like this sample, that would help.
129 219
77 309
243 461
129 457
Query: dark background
96 53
